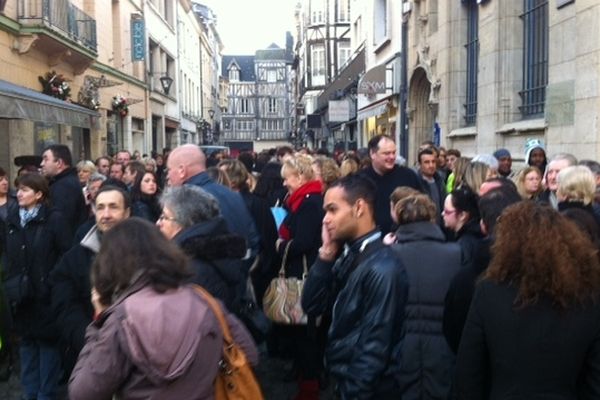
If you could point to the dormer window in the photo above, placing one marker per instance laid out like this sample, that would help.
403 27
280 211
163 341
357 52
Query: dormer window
234 74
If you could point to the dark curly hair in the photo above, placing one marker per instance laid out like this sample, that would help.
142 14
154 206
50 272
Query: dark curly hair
544 255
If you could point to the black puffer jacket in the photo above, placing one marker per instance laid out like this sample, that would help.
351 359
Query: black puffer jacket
35 248
216 258
427 365
364 338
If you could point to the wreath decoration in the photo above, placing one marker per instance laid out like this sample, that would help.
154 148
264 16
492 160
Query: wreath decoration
120 105
55 85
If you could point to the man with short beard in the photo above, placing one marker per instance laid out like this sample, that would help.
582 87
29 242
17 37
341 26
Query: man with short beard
103 165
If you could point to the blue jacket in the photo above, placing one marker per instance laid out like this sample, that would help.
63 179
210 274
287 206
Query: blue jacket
233 209
369 296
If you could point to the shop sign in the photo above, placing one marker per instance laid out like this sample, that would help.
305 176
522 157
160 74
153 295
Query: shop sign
339 110
373 81
138 40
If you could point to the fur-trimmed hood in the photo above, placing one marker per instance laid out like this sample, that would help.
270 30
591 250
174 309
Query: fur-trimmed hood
210 240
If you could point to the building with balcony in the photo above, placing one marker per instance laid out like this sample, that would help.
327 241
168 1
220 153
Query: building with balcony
259 111
45 48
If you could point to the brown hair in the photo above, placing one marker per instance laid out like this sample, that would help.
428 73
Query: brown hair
544 255
401 192
237 173
135 249
37 183
415 208
330 171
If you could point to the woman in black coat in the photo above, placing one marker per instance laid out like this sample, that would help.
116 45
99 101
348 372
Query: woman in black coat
190 217
144 197
268 261
533 329
35 239
298 244
427 362
461 216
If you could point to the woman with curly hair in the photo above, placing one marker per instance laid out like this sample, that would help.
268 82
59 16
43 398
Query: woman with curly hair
533 330
326 170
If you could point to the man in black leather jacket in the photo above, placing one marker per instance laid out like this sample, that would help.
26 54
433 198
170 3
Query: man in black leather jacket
365 286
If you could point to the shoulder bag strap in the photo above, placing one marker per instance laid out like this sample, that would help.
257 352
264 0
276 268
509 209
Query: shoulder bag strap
284 259
212 303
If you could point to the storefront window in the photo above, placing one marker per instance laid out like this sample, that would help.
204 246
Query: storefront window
45 135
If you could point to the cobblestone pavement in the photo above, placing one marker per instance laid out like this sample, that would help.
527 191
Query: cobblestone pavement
270 373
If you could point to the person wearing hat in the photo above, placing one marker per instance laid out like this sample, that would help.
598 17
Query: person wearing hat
504 163
535 154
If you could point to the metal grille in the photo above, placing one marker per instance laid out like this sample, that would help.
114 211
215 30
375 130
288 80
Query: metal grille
62 16
535 57
472 47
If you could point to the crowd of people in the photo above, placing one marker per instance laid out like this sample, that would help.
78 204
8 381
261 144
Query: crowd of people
457 277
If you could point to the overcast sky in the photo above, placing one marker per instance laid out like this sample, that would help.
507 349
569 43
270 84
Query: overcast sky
249 25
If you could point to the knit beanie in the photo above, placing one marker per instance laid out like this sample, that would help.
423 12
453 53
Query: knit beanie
532 144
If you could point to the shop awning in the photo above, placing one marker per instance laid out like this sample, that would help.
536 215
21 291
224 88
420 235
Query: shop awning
373 110
18 102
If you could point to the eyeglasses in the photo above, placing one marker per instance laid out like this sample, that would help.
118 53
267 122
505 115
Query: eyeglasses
163 217
448 212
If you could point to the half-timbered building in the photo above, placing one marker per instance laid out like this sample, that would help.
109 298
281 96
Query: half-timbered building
259 109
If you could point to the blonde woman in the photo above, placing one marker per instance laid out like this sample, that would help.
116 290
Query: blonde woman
455 179
577 189
476 173
529 183
300 234
326 170
85 169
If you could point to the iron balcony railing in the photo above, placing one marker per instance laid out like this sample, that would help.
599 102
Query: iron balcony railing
62 17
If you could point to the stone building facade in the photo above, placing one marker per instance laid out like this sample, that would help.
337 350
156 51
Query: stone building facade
485 74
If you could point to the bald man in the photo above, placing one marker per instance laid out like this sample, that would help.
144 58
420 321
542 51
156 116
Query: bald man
187 165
